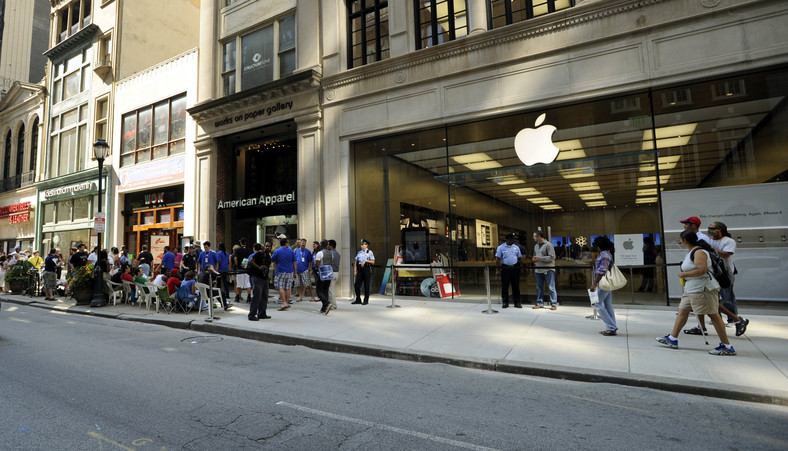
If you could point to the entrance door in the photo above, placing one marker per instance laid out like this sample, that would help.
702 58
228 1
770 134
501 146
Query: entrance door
270 228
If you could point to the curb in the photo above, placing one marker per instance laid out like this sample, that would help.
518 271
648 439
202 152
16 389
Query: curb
708 389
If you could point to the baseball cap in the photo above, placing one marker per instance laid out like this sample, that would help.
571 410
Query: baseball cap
692 220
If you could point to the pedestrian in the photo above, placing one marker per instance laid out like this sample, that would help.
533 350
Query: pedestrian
145 257
238 263
176 263
188 261
258 268
507 265
284 262
649 258
223 266
544 259
304 266
207 257
315 270
700 295
336 258
167 261
362 270
693 224
605 305
323 257
79 258
51 265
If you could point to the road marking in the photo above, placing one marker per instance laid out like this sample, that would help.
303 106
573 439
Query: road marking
386 427
101 437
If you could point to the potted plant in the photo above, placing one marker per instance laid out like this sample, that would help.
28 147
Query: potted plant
82 284
17 275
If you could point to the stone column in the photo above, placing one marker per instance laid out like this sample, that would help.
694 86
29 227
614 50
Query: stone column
310 179
477 16
208 44
199 193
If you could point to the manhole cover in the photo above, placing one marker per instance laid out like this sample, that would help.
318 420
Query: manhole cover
202 339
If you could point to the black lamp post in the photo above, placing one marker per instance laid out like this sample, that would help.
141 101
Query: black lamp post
100 151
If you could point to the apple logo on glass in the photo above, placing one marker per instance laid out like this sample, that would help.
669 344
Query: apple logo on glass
628 245
535 145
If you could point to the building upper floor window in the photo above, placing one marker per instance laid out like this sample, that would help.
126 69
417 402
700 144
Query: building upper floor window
506 12
440 21
73 17
7 156
368 31
267 54
71 76
68 141
20 149
33 145
154 132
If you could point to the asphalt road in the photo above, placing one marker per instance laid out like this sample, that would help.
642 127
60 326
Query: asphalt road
80 382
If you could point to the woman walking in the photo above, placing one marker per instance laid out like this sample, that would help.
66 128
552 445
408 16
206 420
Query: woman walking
605 305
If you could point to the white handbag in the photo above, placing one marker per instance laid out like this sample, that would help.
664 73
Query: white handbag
613 279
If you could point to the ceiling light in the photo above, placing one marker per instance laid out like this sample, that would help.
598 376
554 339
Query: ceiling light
646 200
592 196
570 150
551 207
539 200
576 172
483 165
525 191
674 136
586 186
664 163
652 180
598 203
477 161
507 180
647 192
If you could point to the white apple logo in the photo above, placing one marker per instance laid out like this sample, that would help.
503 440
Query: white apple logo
535 145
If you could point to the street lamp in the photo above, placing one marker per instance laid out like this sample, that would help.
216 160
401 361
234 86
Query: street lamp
100 151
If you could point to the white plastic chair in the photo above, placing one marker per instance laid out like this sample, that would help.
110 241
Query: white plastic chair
127 287
115 290
208 294
144 294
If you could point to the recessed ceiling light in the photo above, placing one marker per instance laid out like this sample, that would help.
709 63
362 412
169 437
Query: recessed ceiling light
570 150
539 200
647 192
646 200
664 163
652 180
551 207
597 203
525 191
576 172
477 161
586 186
673 136
508 180
592 196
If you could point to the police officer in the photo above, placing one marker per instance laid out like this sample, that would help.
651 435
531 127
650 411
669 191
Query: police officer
362 269
507 261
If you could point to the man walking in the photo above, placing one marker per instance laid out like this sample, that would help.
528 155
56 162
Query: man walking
693 223
241 278
335 259
304 266
544 259
507 262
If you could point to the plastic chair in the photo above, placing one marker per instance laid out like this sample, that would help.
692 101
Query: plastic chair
115 290
154 294
127 286
144 294
208 294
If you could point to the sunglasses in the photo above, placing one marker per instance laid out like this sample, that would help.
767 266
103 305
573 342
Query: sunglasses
714 228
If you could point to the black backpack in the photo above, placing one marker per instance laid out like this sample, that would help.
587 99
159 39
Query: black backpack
717 268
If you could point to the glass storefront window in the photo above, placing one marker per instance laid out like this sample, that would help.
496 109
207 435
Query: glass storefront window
64 211
82 208
49 213
164 217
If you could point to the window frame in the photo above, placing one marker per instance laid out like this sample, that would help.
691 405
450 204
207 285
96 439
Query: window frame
175 142
66 13
375 7
20 150
529 10
57 133
434 36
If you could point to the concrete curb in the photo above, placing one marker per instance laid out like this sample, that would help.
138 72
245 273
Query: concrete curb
709 389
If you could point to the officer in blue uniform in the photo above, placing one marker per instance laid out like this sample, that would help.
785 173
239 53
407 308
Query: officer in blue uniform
507 261
362 269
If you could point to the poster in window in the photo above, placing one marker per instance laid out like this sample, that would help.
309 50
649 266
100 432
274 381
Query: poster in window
257 57
416 245
129 132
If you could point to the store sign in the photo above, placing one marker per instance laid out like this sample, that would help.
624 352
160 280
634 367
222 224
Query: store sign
16 213
265 111
153 199
262 201
156 173
535 145
80 188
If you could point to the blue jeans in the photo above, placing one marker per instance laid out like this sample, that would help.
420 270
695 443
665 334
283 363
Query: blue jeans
605 307
549 276
728 299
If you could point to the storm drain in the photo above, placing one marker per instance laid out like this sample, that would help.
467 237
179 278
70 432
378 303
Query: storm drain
202 339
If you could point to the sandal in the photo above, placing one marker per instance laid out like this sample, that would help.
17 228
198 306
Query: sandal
284 307
608 333
694 331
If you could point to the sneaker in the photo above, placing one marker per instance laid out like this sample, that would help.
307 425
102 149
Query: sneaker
723 350
668 342
741 327
537 307
694 331
553 307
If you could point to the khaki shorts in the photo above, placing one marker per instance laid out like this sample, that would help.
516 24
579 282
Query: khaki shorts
704 303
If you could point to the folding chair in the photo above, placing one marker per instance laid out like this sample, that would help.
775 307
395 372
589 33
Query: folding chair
164 300
115 290
183 298
208 294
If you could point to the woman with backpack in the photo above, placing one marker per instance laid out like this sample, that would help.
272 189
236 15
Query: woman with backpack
701 292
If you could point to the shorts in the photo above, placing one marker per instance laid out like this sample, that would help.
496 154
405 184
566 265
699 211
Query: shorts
50 280
242 281
302 279
284 280
706 302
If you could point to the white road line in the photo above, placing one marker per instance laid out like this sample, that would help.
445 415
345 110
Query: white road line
386 427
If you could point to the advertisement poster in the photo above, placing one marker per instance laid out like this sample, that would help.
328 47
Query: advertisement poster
629 249
257 58
486 234
157 243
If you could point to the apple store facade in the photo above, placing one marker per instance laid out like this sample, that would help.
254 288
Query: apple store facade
629 166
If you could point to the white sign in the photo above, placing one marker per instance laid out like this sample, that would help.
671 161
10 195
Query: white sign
535 145
157 243
629 249
100 222
486 234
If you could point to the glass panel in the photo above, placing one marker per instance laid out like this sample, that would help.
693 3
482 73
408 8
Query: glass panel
143 156
287 63
178 118
72 85
287 35
164 216
127 160
144 128
161 119
160 152
55 123
102 109
82 208
148 218
74 63
257 65
178 147
82 148
84 79
54 155
69 118
56 92
83 113
129 132
49 213
64 211
229 56
229 83
68 151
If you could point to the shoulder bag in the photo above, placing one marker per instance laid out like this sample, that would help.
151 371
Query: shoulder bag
613 279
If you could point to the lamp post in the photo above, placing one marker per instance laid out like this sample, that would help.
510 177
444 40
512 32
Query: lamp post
100 151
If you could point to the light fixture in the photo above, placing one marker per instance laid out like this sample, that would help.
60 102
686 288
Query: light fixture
507 180
100 149
551 207
646 200
525 191
597 203
673 136
647 192
592 196
664 163
477 161
540 200
585 186
576 172
652 180
570 150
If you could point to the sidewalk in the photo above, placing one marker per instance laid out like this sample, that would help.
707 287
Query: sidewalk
561 344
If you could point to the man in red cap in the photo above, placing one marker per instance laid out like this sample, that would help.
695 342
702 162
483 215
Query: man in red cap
693 223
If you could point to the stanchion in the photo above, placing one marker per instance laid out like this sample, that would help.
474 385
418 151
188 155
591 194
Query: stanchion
210 317
393 288
489 310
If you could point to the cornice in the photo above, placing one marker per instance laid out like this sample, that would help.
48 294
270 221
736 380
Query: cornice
532 28
75 40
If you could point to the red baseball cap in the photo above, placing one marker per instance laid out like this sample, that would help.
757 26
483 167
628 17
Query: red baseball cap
693 220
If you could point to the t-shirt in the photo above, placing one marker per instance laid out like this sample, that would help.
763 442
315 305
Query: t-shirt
303 259
208 258
284 258
239 255
726 244
168 261
172 284
50 263
159 281
79 259
509 254
146 257
189 261
223 261
261 259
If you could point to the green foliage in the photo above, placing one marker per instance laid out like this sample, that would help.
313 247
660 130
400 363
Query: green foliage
18 271
81 277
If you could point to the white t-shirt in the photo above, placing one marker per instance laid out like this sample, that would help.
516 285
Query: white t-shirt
726 244
698 283
159 281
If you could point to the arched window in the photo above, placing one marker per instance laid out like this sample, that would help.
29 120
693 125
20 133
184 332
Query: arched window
7 166
20 150
34 145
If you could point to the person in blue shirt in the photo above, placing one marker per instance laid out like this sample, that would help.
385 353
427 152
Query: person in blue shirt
167 261
507 262
362 269
207 257
223 266
303 268
284 261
